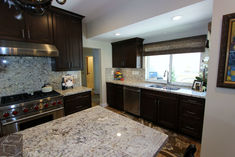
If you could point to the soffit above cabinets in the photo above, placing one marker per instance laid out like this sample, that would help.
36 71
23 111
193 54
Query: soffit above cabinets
103 16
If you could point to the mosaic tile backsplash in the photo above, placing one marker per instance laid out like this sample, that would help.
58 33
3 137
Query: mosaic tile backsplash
129 74
28 74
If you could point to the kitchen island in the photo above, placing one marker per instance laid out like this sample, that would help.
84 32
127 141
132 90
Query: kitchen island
92 132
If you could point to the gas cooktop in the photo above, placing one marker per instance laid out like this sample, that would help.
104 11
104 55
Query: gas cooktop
20 98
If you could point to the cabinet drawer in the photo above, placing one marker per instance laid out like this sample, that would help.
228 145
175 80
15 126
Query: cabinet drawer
160 94
192 108
77 102
190 127
191 111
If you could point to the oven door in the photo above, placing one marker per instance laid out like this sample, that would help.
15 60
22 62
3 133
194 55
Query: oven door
30 121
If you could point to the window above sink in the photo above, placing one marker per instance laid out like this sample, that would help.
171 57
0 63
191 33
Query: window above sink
181 69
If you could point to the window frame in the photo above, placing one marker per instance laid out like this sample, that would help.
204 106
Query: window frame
170 71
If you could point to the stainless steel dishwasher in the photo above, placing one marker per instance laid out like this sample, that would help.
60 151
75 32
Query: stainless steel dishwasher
132 100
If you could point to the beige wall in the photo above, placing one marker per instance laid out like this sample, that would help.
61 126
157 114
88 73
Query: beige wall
105 60
219 122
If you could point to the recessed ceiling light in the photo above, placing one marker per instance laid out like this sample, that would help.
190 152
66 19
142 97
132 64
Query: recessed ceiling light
175 18
117 34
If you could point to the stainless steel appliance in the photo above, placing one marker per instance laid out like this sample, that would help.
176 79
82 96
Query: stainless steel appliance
132 100
22 111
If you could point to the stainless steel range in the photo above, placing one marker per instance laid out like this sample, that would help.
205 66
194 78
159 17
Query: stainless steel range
22 111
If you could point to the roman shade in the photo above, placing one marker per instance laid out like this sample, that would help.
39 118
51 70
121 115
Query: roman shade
184 45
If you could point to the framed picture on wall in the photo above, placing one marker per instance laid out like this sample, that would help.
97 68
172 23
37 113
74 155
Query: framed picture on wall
226 69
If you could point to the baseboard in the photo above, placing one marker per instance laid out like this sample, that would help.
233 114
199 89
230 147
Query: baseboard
104 105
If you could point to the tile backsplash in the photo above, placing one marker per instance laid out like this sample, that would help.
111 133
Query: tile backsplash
129 74
28 74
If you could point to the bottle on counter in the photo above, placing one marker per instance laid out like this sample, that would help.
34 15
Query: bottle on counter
63 84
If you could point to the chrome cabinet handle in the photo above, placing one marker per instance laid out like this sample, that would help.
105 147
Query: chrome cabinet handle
29 34
190 128
22 31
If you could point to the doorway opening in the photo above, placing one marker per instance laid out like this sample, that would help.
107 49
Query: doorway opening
91 73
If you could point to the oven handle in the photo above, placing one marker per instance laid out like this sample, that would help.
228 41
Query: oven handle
25 118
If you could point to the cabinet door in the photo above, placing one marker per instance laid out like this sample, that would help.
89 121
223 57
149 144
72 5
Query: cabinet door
77 102
109 94
10 27
167 112
115 96
130 56
118 56
118 97
75 43
148 107
60 23
39 28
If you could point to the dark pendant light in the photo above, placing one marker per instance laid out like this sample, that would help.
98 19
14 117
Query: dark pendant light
35 7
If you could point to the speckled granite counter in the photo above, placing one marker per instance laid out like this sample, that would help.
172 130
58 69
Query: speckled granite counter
75 90
95 132
145 85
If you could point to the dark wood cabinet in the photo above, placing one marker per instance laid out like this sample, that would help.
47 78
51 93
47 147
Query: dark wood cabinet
183 114
77 102
191 116
127 53
39 28
67 29
167 111
159 107
10 27
30 28
148 106
115 96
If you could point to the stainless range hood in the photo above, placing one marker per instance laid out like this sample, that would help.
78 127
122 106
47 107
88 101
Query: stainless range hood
15 48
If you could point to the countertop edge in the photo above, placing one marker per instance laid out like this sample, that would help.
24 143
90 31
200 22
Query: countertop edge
160 90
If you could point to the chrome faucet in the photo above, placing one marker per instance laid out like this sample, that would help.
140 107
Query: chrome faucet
166 74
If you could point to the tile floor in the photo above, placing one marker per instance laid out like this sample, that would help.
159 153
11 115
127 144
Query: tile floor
176 144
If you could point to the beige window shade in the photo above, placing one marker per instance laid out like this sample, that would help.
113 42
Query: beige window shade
184 45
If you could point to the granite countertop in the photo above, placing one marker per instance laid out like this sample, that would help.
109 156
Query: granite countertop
74 90
93 132
145 85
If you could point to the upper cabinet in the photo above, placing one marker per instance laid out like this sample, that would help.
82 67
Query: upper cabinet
39 28
128 53
31 28
67 29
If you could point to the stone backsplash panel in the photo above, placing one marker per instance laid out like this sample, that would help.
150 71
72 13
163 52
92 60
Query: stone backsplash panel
28 74
129 74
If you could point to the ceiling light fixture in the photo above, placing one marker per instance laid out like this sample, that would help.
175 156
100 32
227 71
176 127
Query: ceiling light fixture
176 18
117 34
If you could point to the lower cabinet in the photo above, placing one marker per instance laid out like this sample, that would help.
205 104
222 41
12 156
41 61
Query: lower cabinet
115 96
167 111
77 102
183 114
191 116
160 108
148 106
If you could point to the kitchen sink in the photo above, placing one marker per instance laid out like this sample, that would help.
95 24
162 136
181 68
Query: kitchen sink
164 87
156 86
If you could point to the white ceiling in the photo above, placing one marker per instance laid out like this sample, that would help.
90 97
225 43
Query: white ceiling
194 22
91 9
138 18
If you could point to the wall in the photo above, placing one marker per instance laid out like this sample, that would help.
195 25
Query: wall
219 124
105 49
28 74
96 56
